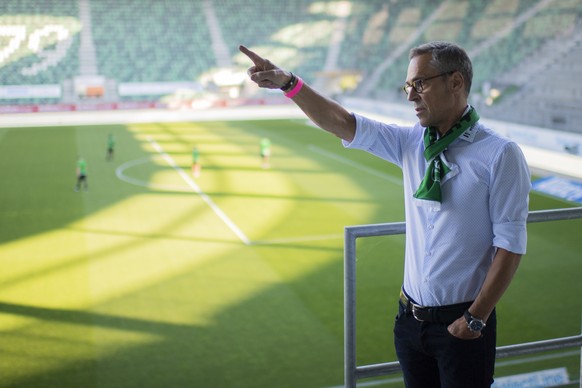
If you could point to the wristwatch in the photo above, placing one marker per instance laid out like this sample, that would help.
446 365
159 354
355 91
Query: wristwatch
473 323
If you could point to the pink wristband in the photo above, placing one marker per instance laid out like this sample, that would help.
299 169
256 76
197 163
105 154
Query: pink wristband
291 93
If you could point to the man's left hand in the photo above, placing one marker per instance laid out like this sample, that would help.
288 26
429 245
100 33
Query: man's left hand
460 330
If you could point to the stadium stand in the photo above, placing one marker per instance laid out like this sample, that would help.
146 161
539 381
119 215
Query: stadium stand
542 88
148 40
521 49
295 32
38 44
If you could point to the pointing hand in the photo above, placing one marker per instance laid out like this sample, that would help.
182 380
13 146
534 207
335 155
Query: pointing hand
264 73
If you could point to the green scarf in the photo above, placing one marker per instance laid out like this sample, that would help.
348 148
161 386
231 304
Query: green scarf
430 187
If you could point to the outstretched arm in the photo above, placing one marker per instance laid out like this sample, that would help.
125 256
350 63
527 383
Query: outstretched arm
323 111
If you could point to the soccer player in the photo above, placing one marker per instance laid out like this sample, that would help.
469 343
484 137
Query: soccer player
110 147
196 167
265 152
81 174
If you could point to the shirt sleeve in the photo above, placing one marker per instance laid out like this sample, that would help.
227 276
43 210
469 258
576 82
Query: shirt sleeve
380 139
509 199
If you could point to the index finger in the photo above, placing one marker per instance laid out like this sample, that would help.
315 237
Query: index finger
257 60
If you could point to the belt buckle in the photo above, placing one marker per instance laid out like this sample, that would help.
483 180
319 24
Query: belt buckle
414 308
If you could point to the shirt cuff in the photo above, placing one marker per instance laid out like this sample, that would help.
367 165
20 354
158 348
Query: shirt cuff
511 236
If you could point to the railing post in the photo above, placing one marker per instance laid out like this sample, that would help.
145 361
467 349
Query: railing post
350 309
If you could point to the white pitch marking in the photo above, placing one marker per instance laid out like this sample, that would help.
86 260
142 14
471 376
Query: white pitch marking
232 226
378 174
120 173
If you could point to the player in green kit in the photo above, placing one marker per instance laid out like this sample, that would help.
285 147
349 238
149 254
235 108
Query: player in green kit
265 152
196 167
110 146
81 174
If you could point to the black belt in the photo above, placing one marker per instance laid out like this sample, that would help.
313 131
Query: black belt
437 314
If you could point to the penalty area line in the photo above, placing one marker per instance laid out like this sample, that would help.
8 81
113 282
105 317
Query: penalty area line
231 225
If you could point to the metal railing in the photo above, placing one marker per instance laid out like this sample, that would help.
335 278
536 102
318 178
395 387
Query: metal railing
352 372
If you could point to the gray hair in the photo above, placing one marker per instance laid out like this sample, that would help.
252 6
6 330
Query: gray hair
447 57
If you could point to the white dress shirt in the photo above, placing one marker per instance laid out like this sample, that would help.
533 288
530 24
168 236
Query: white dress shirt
450 247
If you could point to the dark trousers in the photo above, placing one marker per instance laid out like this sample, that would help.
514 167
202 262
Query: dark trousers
431 357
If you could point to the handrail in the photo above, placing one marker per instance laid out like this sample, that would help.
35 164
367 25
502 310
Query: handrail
375 370
352 372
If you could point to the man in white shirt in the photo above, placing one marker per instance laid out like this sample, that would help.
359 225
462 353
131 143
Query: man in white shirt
466 202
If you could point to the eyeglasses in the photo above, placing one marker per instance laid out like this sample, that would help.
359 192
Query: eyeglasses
418 85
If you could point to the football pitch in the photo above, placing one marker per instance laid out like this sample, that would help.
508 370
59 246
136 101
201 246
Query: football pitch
156 278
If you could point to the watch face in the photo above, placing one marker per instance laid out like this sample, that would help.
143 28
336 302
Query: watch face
476 325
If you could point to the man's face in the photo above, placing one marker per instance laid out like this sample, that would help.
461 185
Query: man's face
434 106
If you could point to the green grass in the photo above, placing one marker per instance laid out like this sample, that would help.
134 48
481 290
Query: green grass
138 282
